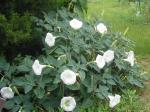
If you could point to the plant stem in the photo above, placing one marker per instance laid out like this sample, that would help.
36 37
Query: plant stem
90 62
50 66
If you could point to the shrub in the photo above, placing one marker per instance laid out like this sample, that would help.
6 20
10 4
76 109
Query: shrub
16 27
16 33
80 61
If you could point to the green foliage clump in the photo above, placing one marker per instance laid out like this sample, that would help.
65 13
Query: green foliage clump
16 29
75 50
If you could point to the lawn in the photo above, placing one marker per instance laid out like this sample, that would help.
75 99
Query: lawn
121 17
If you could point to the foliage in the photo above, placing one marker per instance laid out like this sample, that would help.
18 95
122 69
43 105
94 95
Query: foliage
32 6
16 27
75 50
16 33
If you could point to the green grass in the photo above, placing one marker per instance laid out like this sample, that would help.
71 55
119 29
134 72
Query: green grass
120 17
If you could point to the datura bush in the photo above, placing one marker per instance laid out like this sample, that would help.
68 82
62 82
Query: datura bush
83 64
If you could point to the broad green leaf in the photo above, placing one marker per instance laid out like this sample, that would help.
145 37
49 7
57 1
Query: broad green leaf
87 102
75 86
51 87
3 64
27 88
111 82
23 68
9 104
82 75
39 92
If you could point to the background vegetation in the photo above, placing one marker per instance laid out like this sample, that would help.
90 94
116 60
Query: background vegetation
18 28
122 16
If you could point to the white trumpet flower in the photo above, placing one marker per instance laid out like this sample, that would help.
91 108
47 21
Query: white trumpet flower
100 61
68 77
114 100
7 93
101 28
37 67
68 103
130 58
108 56
75 24
50 39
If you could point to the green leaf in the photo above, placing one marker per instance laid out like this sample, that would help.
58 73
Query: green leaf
102 92
9 104
28 106
75 86
51 87
2 84
87 83
23 68
111 82
16 108
39 92
3 64
57 80
30 79
12 69
134 81
87 102
19 81
26 82
83 59
82 75
27 88
26 65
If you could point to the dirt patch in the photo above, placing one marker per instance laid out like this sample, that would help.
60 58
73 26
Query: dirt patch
146 93
145 98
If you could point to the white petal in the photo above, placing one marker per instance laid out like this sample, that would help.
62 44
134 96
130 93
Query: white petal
7 93
100 61
117 97
114 100
112 104
50 39
37 67
111 97
68 77
130 58
75 24
108 56
68 103
101 28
